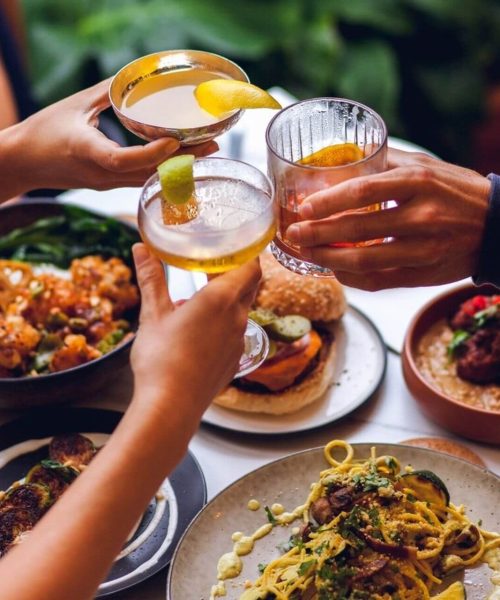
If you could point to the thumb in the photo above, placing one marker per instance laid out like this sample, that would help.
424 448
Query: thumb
98 97
155 299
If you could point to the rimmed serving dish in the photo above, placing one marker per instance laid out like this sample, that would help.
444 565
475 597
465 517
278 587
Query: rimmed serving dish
77 383
463 419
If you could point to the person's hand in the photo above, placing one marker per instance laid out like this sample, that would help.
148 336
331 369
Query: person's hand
433 233
60 147
193 348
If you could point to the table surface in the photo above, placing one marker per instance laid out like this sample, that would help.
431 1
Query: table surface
391 415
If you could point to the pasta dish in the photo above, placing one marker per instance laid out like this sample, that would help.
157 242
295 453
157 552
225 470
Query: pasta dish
372 530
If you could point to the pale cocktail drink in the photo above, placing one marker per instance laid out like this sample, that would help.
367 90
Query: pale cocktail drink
167 100
153 95
234 222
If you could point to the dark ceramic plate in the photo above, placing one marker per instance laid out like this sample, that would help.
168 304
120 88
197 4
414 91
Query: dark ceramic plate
152 544
74 384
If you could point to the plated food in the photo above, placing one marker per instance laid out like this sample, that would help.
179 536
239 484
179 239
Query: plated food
461 355
68 301
25 502
451 361
372 525
371 529
53 319
297 313
29 447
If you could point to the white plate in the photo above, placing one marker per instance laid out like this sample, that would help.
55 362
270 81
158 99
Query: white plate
287 481
360 367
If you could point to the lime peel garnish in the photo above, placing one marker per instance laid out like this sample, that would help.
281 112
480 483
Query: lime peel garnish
176 178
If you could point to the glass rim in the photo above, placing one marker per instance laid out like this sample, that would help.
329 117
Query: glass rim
198 53
330 99
154 178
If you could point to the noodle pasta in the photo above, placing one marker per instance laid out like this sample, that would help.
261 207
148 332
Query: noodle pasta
372 530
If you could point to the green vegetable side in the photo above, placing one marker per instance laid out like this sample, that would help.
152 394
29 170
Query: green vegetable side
59 239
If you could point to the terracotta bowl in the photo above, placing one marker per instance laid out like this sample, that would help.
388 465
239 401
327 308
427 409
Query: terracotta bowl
75 384
474 423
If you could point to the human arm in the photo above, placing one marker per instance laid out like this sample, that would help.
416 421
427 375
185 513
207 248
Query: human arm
60 147
180 359
434 232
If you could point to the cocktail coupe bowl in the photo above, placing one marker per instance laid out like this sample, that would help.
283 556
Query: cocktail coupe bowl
171 61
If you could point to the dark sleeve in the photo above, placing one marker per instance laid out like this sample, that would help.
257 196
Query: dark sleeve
489 261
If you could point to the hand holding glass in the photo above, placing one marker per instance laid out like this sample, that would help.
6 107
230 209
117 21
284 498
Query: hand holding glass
235 221
312 145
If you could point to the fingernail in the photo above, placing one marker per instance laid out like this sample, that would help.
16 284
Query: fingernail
293 233
306 211
141 254
171 144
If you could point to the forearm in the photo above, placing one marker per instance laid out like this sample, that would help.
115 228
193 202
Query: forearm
73 547
15 176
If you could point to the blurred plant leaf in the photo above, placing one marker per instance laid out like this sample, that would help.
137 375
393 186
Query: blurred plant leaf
321 46
384 15
453 89
369 75
58 67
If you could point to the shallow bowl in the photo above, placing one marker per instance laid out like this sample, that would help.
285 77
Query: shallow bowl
170 61
465 420
76 384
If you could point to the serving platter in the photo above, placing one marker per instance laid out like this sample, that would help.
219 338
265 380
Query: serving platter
287 481
24 442
359 370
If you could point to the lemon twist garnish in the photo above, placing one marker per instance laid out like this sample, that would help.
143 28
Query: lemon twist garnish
221 96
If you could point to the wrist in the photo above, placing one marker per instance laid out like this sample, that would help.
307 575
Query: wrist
169 405
16 173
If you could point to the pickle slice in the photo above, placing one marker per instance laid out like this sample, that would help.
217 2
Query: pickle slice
262 316
288 329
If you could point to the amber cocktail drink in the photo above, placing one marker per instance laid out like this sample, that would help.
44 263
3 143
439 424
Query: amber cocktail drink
312 145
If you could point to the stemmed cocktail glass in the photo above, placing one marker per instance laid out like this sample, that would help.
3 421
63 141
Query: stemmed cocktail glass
235 221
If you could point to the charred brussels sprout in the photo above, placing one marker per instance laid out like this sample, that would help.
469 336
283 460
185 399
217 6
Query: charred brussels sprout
33 497
56 480
72 449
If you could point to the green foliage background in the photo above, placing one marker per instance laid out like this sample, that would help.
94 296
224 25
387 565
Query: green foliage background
423 64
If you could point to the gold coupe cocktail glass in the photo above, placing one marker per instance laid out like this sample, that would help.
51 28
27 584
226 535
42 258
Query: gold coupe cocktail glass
312 145
235 221
153 95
